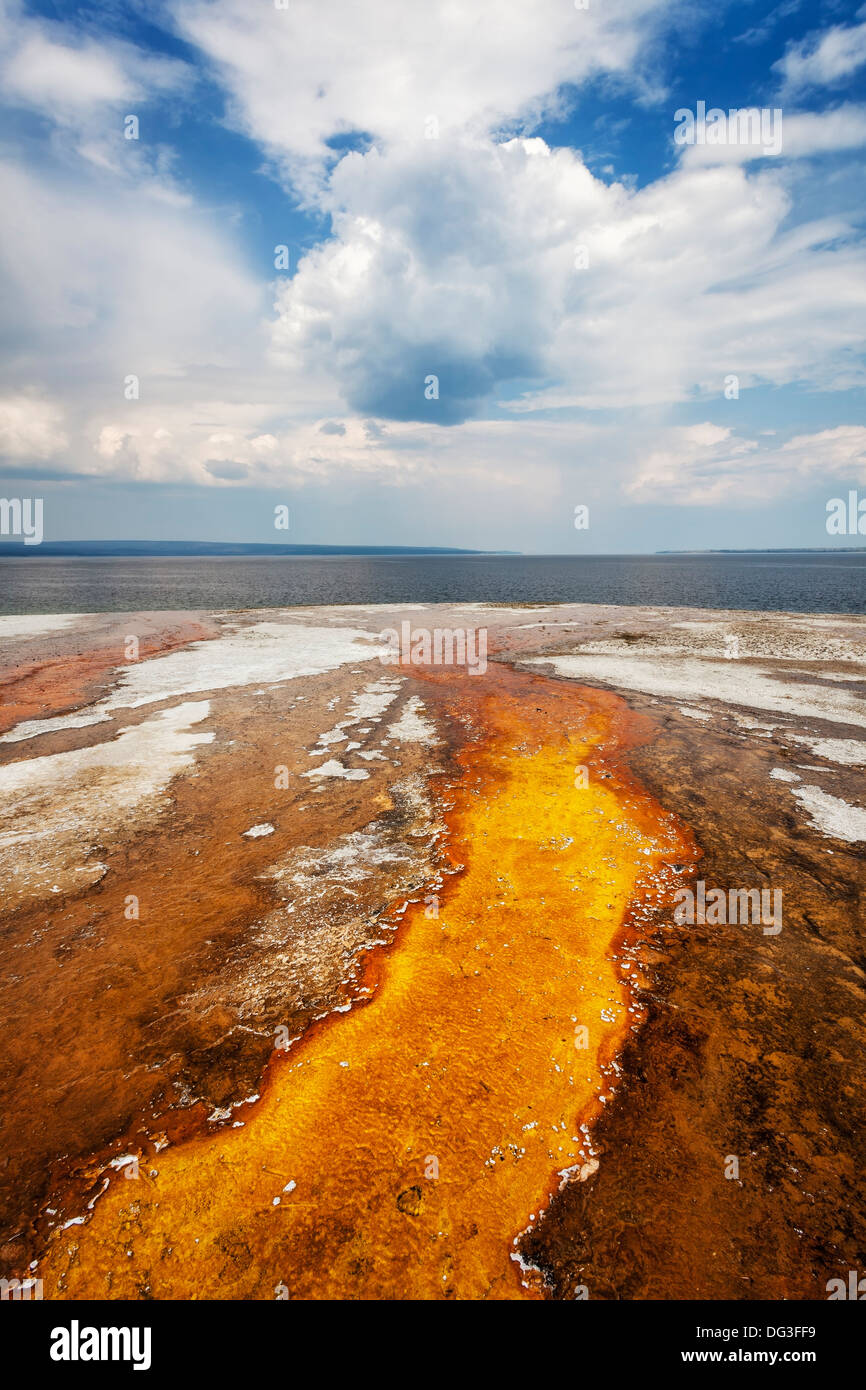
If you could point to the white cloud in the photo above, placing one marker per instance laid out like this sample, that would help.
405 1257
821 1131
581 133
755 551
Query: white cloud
459 261
837 453
440 265
30 429
452 256
42 73
300 75
803 133
708 465
106 280
174 445
443 266
85 88
52 69
823 58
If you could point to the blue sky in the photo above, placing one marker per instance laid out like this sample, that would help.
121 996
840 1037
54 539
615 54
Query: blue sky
489 195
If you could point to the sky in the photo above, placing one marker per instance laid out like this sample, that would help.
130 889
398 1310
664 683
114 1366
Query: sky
434 273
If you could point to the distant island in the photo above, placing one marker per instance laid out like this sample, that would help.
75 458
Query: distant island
778 550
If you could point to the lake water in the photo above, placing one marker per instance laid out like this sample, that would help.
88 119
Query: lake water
800 583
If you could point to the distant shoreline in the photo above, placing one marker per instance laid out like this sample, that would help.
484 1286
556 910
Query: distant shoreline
130 550
778 550
157 549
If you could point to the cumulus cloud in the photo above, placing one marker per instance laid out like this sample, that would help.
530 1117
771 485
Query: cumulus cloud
439 266
463 262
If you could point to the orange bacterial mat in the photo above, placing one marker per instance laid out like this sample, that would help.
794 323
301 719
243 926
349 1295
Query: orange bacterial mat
399 1149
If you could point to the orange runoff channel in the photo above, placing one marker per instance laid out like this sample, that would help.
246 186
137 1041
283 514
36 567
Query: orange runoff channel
400 1149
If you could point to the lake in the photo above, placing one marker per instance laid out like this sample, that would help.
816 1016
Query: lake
805 582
